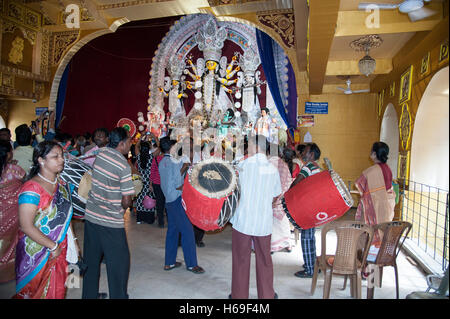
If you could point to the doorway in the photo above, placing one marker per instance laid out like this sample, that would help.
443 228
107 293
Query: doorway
425 202
429 148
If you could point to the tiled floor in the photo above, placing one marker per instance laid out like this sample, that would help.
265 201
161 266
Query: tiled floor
148 280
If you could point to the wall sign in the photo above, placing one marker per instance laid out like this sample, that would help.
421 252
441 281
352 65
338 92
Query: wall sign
40 110
316 107
305 120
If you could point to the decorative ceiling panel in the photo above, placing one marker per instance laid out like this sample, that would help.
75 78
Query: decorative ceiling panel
392 43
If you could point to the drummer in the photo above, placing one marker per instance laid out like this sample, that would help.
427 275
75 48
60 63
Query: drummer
177 220
309 156
194 158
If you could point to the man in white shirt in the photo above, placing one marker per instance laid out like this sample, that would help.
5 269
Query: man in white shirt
252 222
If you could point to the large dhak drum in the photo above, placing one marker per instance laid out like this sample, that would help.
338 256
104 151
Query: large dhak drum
73 172
211 193
317 200
86 184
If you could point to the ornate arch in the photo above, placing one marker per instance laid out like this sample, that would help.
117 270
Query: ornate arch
274 23
259 26
179 41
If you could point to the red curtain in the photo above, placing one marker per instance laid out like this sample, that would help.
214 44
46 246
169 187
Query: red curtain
109 77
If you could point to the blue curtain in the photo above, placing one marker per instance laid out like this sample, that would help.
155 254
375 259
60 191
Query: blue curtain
280 78
61 97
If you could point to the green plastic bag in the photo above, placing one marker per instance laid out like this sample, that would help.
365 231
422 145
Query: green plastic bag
397 192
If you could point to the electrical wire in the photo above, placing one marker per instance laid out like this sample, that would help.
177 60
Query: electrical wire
119 56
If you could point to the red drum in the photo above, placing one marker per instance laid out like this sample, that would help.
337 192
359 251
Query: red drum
210 193
317 200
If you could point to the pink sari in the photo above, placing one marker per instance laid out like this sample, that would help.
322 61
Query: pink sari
281 231
10 183
377 203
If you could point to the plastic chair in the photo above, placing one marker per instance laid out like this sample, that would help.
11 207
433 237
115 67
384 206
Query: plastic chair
440 293
393 235
434 282
351 237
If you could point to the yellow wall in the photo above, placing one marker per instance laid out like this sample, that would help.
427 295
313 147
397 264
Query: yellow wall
412 54
22 111
345 135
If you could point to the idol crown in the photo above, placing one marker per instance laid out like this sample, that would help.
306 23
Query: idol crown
176 68
249 62
210 39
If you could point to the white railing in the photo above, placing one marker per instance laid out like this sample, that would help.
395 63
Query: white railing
426 207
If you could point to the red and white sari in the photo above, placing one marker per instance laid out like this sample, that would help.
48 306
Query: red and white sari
10 183
377 201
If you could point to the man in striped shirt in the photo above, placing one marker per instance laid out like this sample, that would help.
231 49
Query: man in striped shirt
310 155
104 232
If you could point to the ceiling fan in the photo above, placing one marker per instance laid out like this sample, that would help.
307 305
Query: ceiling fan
348 90
415 9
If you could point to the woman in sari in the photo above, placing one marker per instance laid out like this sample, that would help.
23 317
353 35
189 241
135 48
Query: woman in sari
11 179
375 187
290 157
144 163
297 160
281 229
45 236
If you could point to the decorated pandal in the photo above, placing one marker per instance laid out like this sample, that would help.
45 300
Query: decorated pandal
202 90
207 78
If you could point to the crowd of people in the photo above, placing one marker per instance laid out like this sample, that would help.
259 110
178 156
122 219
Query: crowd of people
37 237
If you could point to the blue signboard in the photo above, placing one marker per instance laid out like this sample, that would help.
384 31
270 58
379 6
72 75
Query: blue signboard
316 107
40 110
